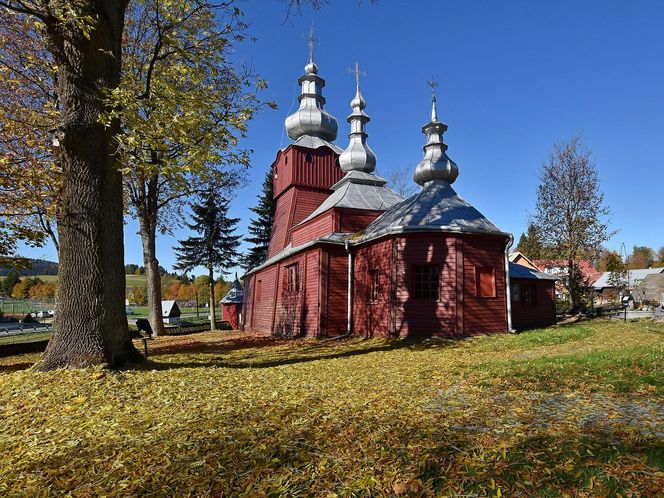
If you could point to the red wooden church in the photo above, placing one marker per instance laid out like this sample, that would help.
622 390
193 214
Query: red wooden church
349 255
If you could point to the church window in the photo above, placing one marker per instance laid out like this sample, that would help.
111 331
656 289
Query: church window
374 281
426 282
293 278
286 160
259 289
485 281
309 158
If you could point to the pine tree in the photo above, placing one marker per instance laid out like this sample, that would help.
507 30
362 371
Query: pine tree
529 243
260 228
216 246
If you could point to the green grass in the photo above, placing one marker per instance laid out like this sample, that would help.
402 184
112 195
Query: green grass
569 410
24 338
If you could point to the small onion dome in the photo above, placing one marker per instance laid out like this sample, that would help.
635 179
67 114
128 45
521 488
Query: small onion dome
311 119
435 165
358 156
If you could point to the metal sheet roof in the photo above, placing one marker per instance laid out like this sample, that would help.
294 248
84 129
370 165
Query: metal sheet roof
235 294
310 142
635 276
437 206
289 250
520 271
358 190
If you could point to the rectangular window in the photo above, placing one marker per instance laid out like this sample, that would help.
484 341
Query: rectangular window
259 289
485 282
528 294
293 278
426 281
374 281
514 291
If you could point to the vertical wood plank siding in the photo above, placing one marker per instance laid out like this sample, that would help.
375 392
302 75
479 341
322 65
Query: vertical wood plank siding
416 318
337 291
484 314
372 318
540 314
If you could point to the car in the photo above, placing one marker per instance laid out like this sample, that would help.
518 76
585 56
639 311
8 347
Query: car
44 314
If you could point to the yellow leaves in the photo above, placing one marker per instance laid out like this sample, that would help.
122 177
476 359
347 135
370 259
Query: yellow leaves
228 414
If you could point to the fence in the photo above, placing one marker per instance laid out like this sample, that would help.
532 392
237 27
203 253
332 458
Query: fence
18 308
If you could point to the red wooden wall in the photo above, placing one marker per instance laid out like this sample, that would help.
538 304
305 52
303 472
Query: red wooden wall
539 314
484 314
300 186
458 311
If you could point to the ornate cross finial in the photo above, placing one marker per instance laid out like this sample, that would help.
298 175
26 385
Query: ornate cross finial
434 112
433 84
312 42
357 72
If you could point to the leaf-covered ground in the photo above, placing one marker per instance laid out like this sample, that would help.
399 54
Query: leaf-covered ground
570 410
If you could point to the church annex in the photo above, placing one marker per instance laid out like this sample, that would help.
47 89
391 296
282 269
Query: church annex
350 256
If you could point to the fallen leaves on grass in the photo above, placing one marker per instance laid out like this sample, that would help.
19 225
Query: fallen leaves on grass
228 414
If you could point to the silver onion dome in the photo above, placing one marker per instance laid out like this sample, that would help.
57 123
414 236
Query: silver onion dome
311 119
435 165
358 156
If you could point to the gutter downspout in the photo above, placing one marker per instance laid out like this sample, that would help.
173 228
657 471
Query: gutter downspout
349 318
508 290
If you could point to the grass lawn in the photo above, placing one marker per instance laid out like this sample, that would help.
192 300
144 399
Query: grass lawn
571 410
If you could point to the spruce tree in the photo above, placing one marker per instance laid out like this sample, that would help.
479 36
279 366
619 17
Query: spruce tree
529 243
260 227
215 248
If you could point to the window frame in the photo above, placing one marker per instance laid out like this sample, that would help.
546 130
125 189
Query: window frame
479 270
418 290
374 285
293 278
532 295
259 289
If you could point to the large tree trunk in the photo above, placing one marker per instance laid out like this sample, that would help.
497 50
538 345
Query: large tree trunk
152 276
90 325
213 312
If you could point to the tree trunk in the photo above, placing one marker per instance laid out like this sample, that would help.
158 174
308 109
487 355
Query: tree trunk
152 276
571 279
213 312
90 325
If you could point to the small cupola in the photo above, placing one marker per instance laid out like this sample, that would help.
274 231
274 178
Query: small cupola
435 165
358 156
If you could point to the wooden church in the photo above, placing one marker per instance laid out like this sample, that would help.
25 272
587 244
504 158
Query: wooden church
350 256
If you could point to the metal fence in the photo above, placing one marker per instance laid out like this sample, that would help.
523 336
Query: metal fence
21 307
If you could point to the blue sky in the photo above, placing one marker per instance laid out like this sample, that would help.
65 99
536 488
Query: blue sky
514 76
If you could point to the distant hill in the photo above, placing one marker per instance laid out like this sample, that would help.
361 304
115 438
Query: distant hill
37 267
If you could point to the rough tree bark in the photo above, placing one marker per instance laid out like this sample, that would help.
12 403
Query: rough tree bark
90 325
213 312
147 217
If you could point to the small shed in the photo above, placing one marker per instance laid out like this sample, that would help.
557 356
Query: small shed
532 296
170 311
231 305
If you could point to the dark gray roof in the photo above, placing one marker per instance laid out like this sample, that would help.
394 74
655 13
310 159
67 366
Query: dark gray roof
520 271
289 250
358 190
651 288
436 207
170 309
635 277
235 294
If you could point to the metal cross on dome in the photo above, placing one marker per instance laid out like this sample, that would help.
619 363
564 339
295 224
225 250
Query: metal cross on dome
312 42
433 84
357 72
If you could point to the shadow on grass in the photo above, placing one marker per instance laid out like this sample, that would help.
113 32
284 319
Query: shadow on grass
302 352
15 367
